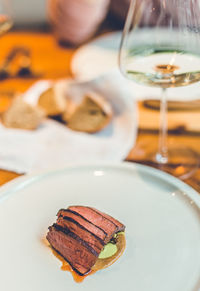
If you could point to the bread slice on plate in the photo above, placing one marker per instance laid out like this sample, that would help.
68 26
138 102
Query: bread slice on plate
22 115
92 115
52 101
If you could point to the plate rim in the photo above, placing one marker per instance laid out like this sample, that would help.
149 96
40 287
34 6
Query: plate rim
11 188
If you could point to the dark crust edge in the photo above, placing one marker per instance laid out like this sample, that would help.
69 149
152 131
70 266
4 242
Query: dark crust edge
76 213
83 228
102 215
66 231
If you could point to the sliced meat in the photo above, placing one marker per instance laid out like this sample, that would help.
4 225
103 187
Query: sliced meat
98 219
94 242
119 225
80 235
72 249
84 222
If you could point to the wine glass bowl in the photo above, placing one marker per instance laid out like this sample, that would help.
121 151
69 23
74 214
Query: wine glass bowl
160 47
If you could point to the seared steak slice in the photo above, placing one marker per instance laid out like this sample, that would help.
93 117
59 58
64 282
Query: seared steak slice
84 222
72 249
80 235
119 225
100 220
96 243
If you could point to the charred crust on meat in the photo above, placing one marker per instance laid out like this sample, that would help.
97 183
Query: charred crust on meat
76 237
80 234
82 227
76 213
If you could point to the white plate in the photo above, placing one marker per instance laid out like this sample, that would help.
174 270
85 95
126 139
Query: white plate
161 215
101 56
97 57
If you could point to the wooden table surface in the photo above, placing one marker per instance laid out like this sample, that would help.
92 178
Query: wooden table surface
52 61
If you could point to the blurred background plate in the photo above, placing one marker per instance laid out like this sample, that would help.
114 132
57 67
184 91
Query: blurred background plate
96 57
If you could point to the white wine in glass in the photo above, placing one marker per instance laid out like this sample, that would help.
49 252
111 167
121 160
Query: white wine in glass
5 16
160 47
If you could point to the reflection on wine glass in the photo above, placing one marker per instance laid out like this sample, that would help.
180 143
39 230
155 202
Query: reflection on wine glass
161 47
5 16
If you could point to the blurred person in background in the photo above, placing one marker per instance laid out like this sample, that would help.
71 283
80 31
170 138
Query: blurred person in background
75 21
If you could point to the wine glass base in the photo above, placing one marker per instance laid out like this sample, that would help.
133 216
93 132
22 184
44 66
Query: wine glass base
182 162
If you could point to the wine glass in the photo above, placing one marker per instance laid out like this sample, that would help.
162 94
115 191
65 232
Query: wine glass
160 47
5 16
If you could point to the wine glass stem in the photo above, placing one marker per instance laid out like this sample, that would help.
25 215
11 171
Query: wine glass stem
162 155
